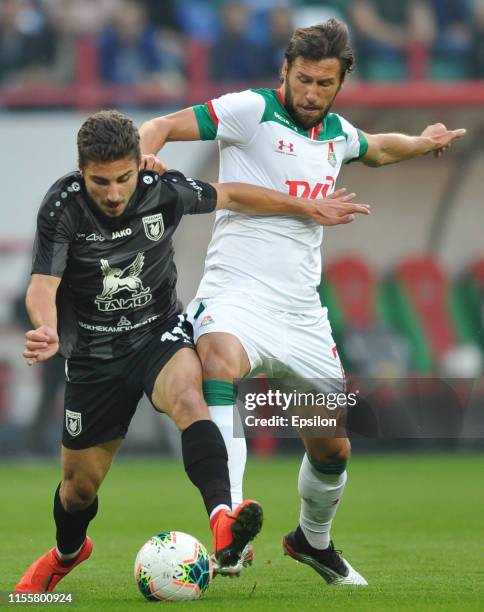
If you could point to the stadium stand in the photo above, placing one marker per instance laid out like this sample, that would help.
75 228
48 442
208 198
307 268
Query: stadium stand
74 43
470 292
425 308
360 319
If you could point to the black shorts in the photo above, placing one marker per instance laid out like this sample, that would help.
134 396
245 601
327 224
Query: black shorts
102 395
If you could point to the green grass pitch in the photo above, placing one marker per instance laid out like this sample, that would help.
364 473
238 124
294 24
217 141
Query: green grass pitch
412 524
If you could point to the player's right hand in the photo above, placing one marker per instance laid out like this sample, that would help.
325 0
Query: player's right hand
338 209
40 344
152 163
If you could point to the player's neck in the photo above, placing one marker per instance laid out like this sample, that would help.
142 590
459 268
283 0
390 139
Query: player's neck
281 97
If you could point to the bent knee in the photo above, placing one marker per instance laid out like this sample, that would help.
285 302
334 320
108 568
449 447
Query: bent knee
342 455
222 360
78 492
216 366
188 407
339 451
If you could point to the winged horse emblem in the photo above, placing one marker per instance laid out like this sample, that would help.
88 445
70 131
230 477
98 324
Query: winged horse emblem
117 279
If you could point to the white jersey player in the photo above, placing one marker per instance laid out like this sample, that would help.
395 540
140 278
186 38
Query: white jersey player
257 304
261 144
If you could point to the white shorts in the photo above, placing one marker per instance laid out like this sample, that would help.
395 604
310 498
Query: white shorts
276 342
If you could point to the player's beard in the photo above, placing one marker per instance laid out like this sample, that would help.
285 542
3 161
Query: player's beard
305 122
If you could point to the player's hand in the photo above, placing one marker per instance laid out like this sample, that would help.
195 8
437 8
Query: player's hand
40 344
338 209
152 163
440 138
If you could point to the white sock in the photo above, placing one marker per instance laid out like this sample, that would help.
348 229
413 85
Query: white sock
320 495
70 555
217 508
223 417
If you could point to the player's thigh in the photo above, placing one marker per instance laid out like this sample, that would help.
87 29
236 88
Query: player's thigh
315 361
177 390
99 403
173 374
312 352
223 357
232 339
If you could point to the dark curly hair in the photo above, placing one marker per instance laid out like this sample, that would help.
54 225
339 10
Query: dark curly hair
107 136
329 39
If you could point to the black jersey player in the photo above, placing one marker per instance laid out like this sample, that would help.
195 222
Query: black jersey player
102 295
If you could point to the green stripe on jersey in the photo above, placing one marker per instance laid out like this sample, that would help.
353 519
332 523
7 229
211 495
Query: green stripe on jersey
208 129
363 148
332 128
363 144
219 393
200 309
276 112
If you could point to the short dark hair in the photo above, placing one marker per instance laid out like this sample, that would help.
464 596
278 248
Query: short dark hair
107 136
329 39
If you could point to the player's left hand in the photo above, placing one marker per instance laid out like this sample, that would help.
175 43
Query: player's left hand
338 209
152 163
440 138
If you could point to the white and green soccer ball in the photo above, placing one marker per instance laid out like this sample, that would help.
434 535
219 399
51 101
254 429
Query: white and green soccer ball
173 566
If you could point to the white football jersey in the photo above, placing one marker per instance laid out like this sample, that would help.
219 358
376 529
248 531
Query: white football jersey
271 260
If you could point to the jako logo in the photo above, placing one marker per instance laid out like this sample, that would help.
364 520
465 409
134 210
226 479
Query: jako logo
122 233
302 189
282 146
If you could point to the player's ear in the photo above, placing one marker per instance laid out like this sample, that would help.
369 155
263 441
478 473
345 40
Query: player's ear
284 70
80 167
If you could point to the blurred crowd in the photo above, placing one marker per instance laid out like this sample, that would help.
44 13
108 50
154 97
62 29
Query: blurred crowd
146 41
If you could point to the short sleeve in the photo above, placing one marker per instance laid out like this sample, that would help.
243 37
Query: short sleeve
53 236
194 197
356 143
232 118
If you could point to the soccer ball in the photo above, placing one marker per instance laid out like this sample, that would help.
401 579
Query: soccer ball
173 566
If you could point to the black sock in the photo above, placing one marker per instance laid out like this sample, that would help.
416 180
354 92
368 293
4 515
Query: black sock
301 540
304 545
71 526
205 460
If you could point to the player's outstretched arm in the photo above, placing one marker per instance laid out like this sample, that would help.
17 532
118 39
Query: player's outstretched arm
386 149
42 342
250 199
181 125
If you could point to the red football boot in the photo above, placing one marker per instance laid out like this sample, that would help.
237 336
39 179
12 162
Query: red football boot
44 574
232 531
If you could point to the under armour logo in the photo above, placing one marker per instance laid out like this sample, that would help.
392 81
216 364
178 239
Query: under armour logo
283 145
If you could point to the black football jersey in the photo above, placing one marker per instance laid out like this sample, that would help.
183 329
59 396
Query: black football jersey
118 274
